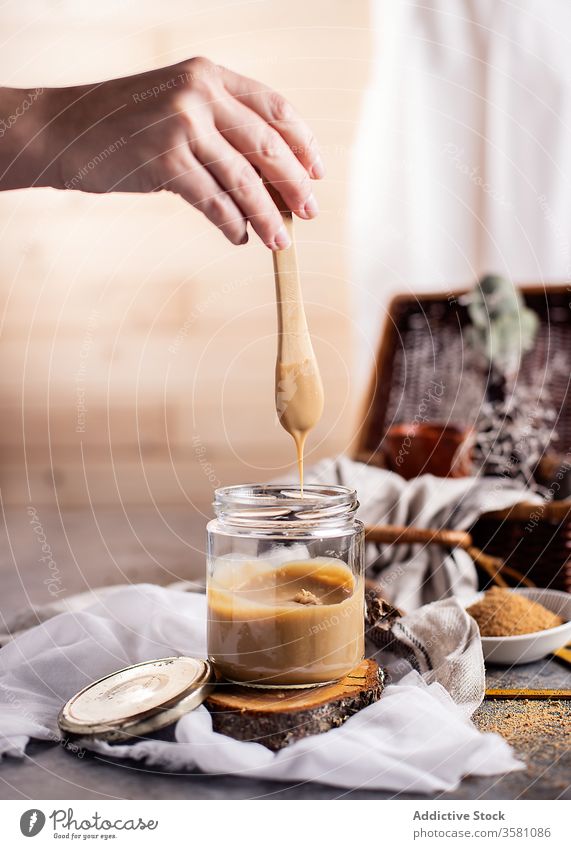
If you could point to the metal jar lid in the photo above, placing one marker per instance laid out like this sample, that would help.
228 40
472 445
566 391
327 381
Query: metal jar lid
138 699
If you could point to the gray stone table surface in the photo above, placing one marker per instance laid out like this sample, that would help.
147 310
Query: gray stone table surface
48 772
99 548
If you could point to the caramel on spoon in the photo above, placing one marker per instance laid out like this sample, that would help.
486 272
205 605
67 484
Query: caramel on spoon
299 390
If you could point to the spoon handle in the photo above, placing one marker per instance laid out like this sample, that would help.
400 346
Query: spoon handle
294 342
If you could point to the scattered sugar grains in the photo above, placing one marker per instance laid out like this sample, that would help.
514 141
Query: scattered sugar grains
501 613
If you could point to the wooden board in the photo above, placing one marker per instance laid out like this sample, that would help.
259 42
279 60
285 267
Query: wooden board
276 718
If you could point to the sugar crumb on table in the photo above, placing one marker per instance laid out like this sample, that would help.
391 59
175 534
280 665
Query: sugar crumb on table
537 729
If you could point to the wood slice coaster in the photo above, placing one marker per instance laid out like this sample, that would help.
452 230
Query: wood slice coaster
276 718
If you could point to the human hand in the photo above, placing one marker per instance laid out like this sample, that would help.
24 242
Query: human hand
196 129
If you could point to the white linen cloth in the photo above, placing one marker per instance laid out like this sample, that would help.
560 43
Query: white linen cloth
416 738
462 164
413 575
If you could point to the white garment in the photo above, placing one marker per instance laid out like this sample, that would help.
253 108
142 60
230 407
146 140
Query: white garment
462 164
416 738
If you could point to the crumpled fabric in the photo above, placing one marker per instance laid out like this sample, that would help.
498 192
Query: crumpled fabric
416 738
413 575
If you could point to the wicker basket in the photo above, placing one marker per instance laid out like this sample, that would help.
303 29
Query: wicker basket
422 344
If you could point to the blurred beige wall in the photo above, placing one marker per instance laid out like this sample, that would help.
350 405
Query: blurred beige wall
137 345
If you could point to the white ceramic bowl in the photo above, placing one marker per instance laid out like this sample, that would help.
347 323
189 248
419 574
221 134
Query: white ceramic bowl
525 648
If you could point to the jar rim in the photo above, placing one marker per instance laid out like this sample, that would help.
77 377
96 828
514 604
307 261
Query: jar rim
272 494
282 505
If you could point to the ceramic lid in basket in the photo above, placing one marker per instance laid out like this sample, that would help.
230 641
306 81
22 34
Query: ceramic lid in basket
137 700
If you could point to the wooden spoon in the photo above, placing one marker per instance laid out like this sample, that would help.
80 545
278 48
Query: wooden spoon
299 390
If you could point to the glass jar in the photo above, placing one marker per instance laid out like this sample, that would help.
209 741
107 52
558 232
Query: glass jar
285 585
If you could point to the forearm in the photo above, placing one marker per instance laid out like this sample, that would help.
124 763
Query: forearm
24 131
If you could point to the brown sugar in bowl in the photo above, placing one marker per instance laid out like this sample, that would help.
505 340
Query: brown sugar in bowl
533 645
503 613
